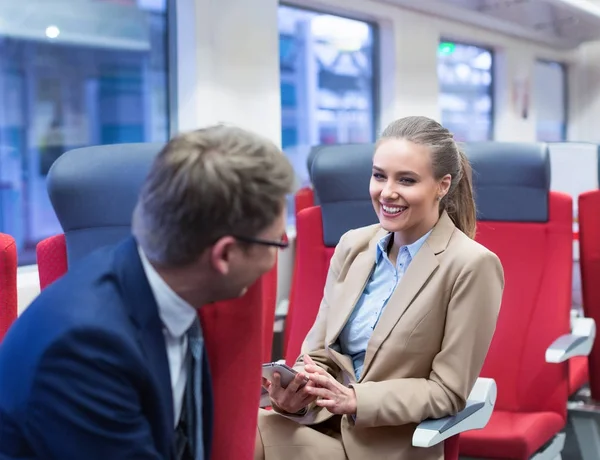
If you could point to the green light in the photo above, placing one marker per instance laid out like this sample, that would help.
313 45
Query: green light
446 48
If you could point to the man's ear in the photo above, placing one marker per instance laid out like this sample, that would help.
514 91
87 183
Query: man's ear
221 254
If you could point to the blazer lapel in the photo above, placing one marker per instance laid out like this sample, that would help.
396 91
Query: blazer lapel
143 311
342 360
418 273
356 279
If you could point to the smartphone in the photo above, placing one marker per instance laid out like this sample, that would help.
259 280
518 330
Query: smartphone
286 372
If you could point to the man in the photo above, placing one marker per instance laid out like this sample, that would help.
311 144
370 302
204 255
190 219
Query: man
107 363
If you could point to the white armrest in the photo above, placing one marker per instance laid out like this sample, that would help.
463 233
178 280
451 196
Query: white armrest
578 343
475 415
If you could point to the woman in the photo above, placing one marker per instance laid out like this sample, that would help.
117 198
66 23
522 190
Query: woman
408 314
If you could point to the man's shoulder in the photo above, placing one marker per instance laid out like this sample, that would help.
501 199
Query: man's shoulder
83 314
89 297
93 283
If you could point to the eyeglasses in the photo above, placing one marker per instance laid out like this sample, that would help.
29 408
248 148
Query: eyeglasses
284 243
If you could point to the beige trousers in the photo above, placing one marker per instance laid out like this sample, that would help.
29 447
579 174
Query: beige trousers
278 437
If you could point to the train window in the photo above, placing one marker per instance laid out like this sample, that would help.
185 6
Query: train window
327 67
465 75
73 74
550 101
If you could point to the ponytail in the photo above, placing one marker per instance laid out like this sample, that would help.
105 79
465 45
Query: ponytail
459 203
446 158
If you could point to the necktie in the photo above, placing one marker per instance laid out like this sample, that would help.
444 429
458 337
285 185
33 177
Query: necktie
194 390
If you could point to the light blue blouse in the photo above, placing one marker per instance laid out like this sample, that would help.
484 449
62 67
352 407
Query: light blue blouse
355 335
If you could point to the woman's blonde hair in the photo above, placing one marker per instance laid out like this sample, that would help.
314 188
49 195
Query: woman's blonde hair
446 158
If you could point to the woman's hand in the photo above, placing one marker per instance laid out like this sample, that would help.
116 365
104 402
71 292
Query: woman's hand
294 397
331 394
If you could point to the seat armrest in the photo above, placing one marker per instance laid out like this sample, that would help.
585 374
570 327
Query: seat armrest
578 343
475 415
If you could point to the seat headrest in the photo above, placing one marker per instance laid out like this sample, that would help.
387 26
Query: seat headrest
309 161
314 151
341 176
311 157
94 190
511 180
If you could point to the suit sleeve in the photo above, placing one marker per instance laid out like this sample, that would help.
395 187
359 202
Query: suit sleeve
84 402
470 323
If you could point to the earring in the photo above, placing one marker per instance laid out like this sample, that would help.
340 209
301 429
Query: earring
439 197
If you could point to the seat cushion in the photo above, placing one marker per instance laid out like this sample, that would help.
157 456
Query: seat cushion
578 373
509 435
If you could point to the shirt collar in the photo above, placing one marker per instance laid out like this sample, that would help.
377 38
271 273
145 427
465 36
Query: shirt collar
175 313
412 248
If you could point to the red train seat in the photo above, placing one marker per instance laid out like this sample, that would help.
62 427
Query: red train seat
530 229
574 167
589 263
8 282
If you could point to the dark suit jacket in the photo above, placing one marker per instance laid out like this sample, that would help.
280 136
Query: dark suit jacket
84 372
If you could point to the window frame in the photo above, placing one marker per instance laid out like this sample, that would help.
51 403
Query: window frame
565 72
170 114
492 87
375 92
172 68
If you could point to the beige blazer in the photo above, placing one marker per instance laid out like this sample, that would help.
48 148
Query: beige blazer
428 347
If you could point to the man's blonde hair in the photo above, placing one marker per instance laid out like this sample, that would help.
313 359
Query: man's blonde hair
207 184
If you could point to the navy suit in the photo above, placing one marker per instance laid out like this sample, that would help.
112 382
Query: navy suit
84 372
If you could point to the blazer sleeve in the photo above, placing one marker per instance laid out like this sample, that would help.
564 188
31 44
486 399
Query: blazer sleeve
470 323
83 401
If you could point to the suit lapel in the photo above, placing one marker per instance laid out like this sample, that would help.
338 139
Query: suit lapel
356 279
143 311
342 360
419 271
413 281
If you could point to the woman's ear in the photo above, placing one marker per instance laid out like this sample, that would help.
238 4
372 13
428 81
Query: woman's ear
444 185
